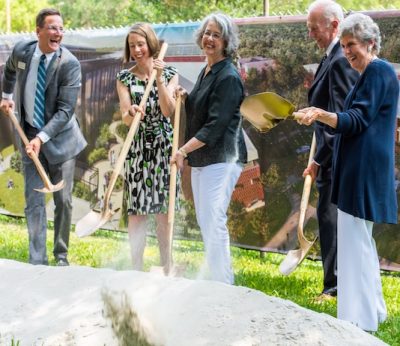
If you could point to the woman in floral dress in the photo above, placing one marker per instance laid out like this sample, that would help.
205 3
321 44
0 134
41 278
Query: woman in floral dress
147 168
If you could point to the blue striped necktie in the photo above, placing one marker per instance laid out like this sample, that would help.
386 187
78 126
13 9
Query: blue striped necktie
38 111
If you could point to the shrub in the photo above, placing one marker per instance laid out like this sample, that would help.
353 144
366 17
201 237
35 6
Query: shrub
97 155
104 137
16 162
122 130
82 190
119 184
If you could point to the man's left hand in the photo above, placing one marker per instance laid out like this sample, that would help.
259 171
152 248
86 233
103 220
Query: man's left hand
34 146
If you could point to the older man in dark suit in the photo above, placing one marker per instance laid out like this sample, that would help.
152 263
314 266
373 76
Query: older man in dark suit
332 82
41 82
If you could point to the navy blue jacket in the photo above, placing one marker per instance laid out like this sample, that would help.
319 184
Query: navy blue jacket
364 157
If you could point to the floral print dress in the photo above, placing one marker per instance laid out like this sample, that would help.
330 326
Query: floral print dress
147 168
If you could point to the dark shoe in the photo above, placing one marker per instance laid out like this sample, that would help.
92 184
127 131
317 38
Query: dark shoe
326 295
62 262
332 291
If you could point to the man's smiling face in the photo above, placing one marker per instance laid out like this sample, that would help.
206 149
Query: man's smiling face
50 34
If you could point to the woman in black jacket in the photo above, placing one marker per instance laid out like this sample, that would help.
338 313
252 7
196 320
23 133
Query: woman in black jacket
214 140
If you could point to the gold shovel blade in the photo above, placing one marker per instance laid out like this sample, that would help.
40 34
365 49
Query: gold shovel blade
93 221
52 188
265 110
294 258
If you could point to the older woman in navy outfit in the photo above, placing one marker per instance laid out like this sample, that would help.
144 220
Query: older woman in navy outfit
363 171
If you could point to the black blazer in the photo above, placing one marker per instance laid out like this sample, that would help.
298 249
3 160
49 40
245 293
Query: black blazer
332 83
213 116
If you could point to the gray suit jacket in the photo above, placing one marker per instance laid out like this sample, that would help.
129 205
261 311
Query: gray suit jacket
62 88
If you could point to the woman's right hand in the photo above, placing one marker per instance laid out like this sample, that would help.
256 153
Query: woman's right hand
309 115
136 109
129 115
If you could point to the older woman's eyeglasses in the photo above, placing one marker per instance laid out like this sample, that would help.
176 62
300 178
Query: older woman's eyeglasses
214 35
55 28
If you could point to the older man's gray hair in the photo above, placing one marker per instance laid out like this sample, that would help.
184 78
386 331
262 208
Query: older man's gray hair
363 29
229 32
330 9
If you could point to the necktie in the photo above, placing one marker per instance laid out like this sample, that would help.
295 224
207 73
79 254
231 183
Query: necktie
321 63
38 111
323 59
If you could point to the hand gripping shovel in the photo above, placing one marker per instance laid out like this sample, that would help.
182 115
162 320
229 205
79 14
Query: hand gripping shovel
48 186
266 110
295 257
94 219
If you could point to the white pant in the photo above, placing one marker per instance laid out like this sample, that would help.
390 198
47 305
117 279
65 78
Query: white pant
212 190
360 299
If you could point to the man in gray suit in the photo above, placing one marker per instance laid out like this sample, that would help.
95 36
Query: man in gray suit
332 82
41 82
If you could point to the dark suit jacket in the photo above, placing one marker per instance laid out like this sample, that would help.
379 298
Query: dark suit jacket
363 180
63 80
331 85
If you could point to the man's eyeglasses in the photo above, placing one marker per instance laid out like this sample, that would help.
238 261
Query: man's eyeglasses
55 28
214 35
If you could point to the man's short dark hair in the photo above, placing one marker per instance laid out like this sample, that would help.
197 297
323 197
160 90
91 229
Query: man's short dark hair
44 13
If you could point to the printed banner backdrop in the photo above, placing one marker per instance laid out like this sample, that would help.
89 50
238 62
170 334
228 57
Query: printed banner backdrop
275 55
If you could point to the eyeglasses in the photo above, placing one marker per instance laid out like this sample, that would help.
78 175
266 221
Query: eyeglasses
54 28
214 35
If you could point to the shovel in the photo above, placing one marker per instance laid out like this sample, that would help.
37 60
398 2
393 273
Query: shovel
266 110
295 257
94 219
172 184
48 186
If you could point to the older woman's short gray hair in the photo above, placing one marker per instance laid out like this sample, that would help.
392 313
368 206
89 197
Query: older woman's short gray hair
362 28
229 31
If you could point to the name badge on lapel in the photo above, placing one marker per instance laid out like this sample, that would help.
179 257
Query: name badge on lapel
21 65
137 89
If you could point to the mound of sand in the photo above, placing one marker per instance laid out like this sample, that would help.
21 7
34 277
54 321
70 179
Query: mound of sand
42 305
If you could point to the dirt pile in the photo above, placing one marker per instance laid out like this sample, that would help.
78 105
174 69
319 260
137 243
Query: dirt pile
68 306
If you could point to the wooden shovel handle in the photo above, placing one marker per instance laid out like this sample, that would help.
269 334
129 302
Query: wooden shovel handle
174 169
172 185
306 195
33 156
131 134
297 116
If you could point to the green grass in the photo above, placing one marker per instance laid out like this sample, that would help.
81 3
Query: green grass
108 249
7 151
12 199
